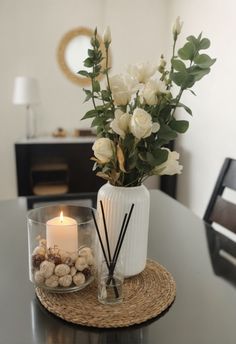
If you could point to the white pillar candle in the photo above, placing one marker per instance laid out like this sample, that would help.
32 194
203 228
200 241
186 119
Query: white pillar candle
62 231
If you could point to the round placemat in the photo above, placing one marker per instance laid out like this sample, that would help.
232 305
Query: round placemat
145 297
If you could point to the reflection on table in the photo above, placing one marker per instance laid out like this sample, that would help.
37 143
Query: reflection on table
222 250
46 330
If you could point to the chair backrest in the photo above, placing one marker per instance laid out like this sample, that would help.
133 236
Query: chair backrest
88 199
220 210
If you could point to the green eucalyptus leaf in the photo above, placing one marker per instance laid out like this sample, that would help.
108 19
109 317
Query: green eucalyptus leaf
143 166
178 65
192 92
88 97
201 74
187 52
87 91
194 41
186 108
142 156
204 61
183 79
84 73
178 78
160 156
200 36
205 43
102 108
131 162
179 126
88 62
151 159
165 112
96 42
90 114
91 53
97 68
92 41
109 114
154 158
198 72
98 121
106 95
188 82
166 133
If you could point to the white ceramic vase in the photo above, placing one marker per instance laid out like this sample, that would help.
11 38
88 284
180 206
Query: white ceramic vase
116 202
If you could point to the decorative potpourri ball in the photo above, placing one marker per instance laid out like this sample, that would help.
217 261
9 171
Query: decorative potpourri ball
37 259
55 268
79 279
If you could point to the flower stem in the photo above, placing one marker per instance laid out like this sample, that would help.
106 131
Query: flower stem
108 81
177 101
173 55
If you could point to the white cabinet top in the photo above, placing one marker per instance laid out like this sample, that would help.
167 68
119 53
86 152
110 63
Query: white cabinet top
53 140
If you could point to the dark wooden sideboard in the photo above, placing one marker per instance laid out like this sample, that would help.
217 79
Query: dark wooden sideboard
65 163
55 161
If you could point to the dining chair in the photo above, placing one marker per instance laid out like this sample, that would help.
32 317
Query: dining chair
88 199
220 210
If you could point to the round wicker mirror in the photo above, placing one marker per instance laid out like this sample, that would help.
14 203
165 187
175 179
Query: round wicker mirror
72 51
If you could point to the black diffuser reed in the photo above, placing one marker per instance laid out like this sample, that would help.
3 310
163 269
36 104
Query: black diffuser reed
111 261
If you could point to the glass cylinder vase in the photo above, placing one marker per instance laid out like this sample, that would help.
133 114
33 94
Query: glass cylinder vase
61 247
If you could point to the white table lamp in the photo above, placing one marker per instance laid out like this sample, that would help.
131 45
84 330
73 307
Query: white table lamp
26 92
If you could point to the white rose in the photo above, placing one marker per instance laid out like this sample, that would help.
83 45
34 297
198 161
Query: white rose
122 87
103 149
107 35
142 71
170 166
152 90
176 29
141 125
120 124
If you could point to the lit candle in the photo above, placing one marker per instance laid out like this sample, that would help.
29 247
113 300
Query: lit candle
62 232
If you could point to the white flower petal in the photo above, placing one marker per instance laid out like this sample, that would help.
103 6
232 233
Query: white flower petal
142 71
155 127
141 124
171 166
103 149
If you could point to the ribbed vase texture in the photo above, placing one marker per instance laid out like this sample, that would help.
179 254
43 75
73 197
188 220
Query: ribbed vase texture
116 202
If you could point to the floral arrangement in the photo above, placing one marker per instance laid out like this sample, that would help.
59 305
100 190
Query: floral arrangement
135 114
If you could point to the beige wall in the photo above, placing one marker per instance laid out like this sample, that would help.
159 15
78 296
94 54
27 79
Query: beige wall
212 133
139 30
30 31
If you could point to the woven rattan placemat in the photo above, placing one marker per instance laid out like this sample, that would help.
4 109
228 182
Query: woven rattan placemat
145 297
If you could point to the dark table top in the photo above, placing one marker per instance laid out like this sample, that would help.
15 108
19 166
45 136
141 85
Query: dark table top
204 310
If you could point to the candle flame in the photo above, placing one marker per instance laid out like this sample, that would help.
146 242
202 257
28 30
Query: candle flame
61 216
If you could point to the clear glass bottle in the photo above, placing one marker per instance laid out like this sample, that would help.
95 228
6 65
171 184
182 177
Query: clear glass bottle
110 283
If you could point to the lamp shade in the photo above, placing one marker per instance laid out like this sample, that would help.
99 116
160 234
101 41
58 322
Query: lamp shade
26 91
